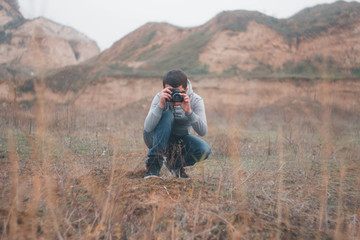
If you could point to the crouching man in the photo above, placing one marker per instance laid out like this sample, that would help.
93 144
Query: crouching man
173 112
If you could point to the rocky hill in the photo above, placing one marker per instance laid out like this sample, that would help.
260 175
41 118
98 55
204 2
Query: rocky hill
317 43
316 39
39 43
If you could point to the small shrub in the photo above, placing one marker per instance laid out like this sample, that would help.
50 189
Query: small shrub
302 67
319 59
262 68
233 70
355 72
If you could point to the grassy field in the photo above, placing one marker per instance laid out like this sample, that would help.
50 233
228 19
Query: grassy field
286 169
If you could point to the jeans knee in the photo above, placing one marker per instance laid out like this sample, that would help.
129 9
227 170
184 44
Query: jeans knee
206 152
148 138
203 153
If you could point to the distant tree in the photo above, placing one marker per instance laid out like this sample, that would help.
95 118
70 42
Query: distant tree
13 3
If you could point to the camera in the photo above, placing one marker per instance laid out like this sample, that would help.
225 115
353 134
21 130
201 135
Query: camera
176 95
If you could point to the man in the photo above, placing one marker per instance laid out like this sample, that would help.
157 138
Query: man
168 124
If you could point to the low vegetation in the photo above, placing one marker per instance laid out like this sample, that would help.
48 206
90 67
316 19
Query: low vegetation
289 170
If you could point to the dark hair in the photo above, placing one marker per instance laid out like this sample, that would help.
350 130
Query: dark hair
175 78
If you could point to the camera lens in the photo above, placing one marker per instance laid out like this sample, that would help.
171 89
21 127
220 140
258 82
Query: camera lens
177 97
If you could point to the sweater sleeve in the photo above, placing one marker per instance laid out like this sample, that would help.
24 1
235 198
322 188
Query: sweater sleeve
154 115
198 118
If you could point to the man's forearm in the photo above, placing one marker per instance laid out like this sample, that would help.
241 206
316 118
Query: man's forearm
199 125
153 116
152 119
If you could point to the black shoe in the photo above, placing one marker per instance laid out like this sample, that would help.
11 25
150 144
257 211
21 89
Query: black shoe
177 172
152 170
182 173
152 173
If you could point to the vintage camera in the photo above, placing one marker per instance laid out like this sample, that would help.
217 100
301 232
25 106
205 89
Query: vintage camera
176 95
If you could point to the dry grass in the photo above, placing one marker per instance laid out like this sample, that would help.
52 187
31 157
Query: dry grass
285 171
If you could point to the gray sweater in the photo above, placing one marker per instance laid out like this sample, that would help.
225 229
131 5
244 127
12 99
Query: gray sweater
183 123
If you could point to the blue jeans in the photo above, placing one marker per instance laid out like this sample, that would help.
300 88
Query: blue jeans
180 151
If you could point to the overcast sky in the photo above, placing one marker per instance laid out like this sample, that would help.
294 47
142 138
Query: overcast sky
107 21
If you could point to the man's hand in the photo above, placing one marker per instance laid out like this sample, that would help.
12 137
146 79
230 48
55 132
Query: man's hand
185 105
164 95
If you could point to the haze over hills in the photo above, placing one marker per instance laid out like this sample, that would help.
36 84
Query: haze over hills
39 43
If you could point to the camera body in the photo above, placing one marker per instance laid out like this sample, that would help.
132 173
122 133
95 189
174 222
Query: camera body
176 95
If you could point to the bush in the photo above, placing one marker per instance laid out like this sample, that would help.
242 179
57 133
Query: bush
302 67
319 59
262 69
355 72
234 70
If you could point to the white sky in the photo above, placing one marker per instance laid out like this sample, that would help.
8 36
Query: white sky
107 21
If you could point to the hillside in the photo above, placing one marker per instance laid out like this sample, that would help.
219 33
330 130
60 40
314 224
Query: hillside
317 43
244 41
39 44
